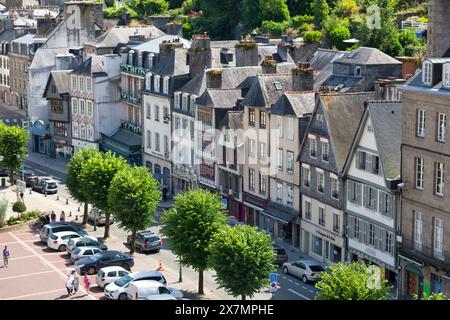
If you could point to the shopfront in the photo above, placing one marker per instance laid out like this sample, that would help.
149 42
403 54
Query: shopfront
253 208
40 137
61 149
322 244
279 220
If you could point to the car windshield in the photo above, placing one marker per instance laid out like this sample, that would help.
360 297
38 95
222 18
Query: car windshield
124 280
316 268
51 185
152 239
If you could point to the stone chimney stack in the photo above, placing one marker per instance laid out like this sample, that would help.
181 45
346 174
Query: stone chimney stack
199 54
167 46
438 35
175 29
269 65
214 79
303 78
246 53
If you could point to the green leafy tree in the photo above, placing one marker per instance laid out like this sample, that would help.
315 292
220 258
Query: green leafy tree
73 181
243 259
355 281
275 29
298 7
312 36
435 296
254 12
150 7
346 8
320 11
117 13
196 216
337 35
3 208
13 148
133 198
19 207
96 176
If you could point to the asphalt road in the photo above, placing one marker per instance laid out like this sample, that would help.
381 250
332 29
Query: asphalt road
292 288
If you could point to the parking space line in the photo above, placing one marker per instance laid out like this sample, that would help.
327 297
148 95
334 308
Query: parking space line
290 280
311 291
36 294
26 275
304 287
299 294
43 260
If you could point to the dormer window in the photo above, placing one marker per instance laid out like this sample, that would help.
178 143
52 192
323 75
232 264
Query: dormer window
427 72
157 83
166 85
148 81
446 75
358 71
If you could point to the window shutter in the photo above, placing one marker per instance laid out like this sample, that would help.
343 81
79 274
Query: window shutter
351 223
380 201
349 190
357 159
390 208
362 233
365 195
358 192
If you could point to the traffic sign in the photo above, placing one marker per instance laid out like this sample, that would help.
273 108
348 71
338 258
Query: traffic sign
273 277
273 282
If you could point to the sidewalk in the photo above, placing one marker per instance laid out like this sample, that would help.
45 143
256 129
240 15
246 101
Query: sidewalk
58 165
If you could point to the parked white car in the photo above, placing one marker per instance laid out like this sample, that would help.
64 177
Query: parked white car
83 252
117 289
307 270
59 240
141 290
108 275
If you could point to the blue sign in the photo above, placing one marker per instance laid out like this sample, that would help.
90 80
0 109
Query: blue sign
273 277
225 202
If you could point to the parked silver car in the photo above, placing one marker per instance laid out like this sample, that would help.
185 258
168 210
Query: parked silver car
307 270
83 252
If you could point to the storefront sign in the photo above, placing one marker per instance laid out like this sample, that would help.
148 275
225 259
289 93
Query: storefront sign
319 232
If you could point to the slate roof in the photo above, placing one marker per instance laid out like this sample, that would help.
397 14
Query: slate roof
349 82
174 64
342 113
387 125
219 98
415 83
94 65
61 79
367 56
153 45
26 39
294 104
322 62
117 35
263 92
126 137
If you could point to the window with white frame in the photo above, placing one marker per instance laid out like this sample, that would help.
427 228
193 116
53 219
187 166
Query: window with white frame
157 83
81 83
420 123
334 188
368 162
307 210
388 244
251 179
262 119
312 146
83 131
418 230
280 159
184 102
74 105
279 125
420 167
262 151
439 179
371 235
354 191
74 82
427 72
279 196
325 147
82 107
75 129
262 183
88 84
90 132
306 173
149 139
166 85
148 81
89 108
289 161
193 99
290 195
177 123
290 128
157 142
385 203
442 126
446 75
156 113
251 148
356 230
320 182
166 114
251 117
322 216
438 229
336 222
177 100
370 197
148 110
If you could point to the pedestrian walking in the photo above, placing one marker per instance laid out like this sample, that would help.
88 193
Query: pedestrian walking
53 217
5 257
69 284
87 283
76 282
62 216
164 192
21 195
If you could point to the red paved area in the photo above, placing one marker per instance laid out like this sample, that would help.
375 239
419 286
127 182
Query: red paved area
34 271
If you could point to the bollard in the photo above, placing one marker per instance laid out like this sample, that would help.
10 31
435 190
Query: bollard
31 190
57 198
67 201
76 217
45 194
78 209
70 213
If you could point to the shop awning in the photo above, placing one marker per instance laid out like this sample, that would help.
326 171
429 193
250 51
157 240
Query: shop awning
281 214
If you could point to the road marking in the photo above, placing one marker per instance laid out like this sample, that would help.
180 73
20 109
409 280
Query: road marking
304 287
283 277
299 294
35 294
26 275
290 280
311 291
43 260
37 170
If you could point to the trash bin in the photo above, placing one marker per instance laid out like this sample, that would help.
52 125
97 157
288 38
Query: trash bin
3 182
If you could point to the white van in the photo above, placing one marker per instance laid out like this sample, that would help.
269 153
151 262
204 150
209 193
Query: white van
141 290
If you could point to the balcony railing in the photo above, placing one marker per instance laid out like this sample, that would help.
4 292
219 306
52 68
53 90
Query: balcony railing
425 254
132 127
139 71
124 96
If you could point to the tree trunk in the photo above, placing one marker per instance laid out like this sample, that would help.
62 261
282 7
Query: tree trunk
11 175
133 242
85 216
200 282
243 297
106 235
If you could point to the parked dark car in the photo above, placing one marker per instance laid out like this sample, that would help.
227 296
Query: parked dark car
147 241
29 177
282 256
104 259
45 185
4 172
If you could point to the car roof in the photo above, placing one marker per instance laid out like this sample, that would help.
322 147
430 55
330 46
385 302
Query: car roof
64 233
147 283
88 248
50 180
164 296
112 268
107 252
146 273
309 262
87 237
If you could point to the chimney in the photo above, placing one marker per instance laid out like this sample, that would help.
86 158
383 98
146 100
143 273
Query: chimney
199 55
246 53
269 65
167 46
282 50
175 28
303 77
44 25
214 79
